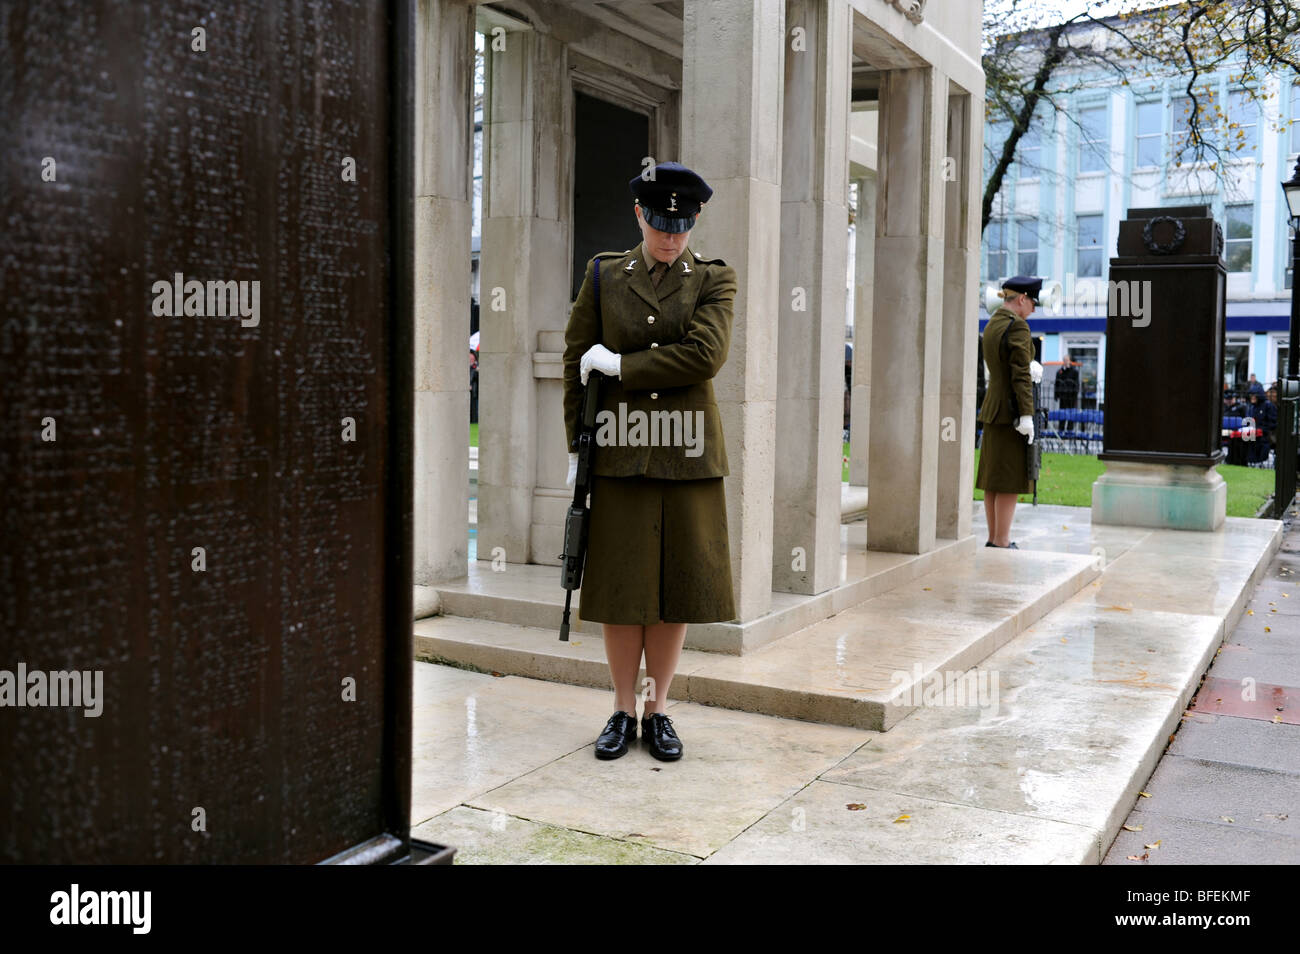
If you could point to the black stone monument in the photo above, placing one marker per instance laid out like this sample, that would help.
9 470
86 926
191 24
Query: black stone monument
205 445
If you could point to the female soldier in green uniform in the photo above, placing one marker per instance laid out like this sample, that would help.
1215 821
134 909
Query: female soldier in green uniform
658 554
1007 412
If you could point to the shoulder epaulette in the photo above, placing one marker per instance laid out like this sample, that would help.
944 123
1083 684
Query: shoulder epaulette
611 254
707 261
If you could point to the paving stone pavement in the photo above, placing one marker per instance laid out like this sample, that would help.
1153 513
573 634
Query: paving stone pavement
1044 771
1227 790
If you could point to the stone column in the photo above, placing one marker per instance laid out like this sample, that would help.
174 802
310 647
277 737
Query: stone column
908 312
961 272
864 267
444 75
732 55
814 262
523 288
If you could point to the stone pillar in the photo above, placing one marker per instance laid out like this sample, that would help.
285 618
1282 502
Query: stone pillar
523 289
444 75
864 268
961 272
732 55
908 312
814 262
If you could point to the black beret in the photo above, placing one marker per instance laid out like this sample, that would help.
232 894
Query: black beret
672 198
1033 287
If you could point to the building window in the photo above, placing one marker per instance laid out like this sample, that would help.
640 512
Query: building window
1027 247
997 138
1088 264
1279 345
996 243
1295 117
1236 362
1082 353
1149 118
1093 139
1288 277
1029 153
1181 123
1240 233
1243 111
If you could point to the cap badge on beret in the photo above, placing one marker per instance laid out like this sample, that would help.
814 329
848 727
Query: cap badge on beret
670 196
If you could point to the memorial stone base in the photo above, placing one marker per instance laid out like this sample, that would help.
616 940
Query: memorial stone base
1169 496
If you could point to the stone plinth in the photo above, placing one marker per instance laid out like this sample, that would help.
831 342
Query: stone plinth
1170 496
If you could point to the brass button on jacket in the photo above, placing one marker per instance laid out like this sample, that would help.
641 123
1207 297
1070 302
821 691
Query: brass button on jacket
1009 376
693 328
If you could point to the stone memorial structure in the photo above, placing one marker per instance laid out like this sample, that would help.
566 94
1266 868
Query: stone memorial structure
1164 361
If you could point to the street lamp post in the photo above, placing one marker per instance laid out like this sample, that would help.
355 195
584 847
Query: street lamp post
1291 188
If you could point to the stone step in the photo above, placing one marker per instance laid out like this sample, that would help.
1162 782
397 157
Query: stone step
531 595
868 666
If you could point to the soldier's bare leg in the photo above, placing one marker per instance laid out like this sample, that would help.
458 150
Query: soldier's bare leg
623 653
663 649
1005 506
991 515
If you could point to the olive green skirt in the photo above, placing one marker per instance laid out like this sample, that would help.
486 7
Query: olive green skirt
1004 461
657 550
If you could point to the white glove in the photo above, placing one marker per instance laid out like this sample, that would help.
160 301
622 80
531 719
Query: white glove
573 470
601 359
1036 372
1026 426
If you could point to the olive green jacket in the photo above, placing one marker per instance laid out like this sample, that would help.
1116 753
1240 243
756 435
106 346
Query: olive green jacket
1010 376
673 339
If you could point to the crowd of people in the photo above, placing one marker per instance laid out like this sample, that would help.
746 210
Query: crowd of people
1251 442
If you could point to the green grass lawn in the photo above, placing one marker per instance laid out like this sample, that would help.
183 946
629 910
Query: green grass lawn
1066 479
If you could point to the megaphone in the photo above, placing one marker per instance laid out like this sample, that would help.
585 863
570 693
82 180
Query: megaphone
1049 299
992 298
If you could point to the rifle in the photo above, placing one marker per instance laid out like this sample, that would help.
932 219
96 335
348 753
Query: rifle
1034 456
578 521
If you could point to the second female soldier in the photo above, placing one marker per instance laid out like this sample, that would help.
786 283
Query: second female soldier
1008 408
658 554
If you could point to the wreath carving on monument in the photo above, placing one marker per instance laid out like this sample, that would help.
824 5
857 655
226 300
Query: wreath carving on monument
1163 248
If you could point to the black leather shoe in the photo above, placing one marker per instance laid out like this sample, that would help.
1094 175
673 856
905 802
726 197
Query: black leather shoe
619 731
658 731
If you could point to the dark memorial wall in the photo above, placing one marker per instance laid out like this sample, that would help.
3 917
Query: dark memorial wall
205 490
